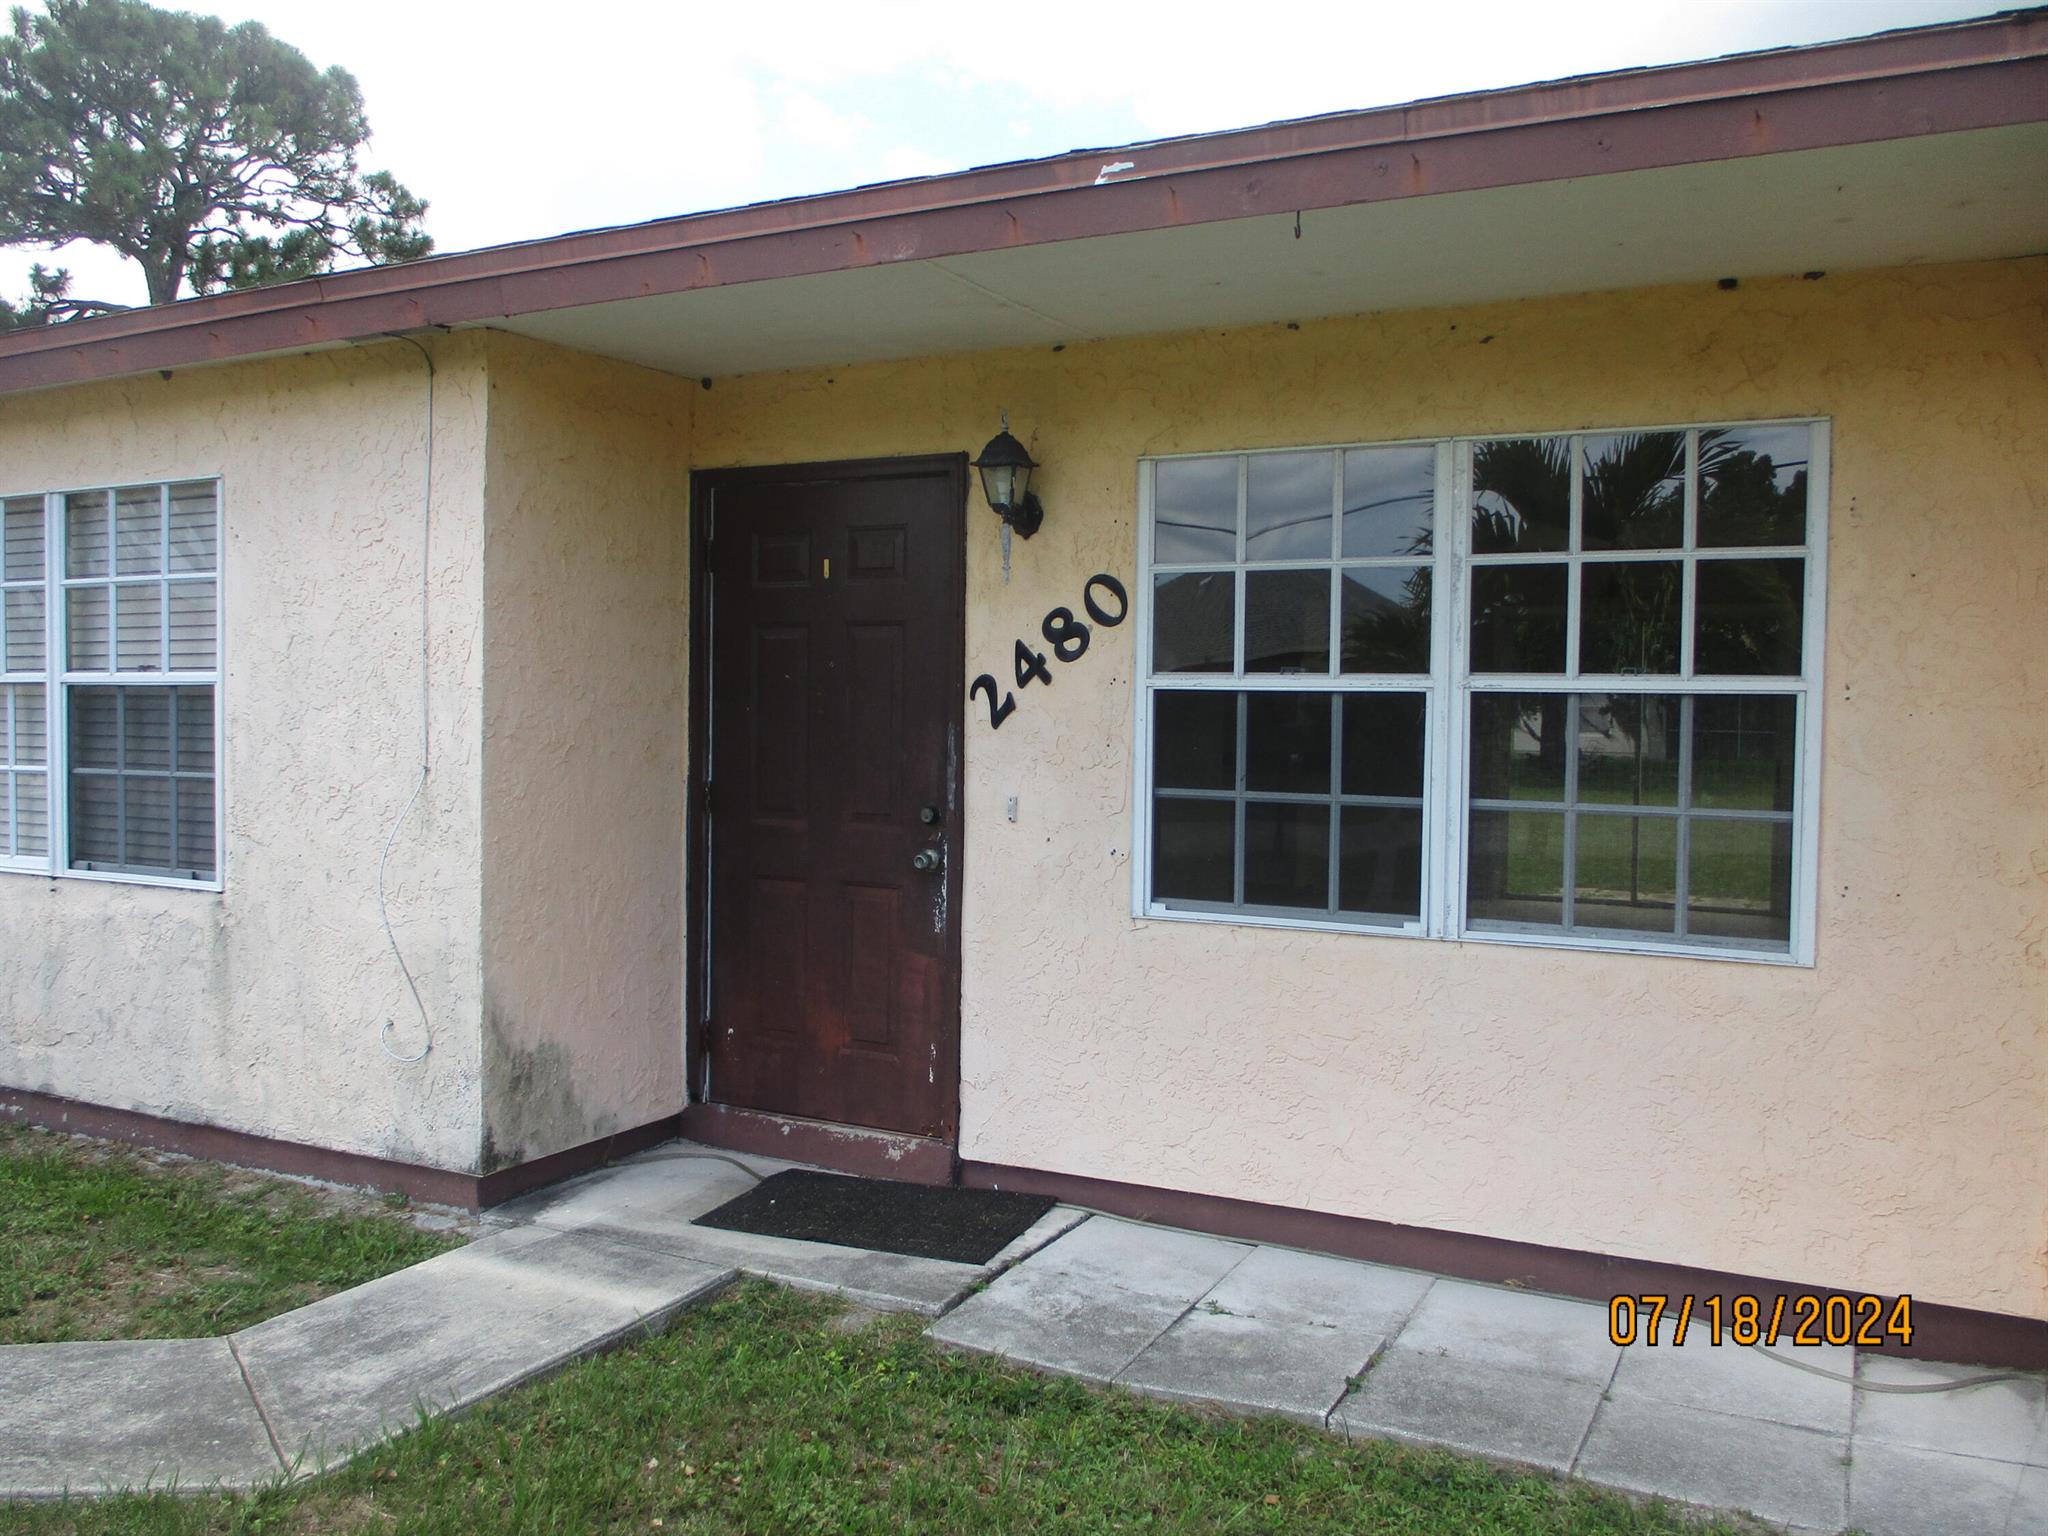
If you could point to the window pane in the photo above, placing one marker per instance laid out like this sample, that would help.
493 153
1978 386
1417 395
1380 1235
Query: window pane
1749 617
23 635
1626 873
85 618
95 819
1287 621
1287 856
1740 885
95 728
1194 850
1515 867
1389 501
1193 618
21 539
1287 505
24 726
1287 743
1383 744
1518 746
1633 496
85 533
1753 485
1518 616
147 803
1194 510
1628 749
31 815
1744 752
1386 618
1521 495
138 530
195 826
146 728
195 527
1629 616
139 628
1194 740
1379 861
194 635
195 730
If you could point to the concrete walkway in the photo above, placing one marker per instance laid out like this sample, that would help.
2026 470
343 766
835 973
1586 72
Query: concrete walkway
1358 1349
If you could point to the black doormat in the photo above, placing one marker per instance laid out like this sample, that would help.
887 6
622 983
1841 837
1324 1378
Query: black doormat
967 1226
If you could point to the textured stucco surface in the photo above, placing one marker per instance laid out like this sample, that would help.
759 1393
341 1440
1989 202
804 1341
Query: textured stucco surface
1875 1121
258 1008
585 623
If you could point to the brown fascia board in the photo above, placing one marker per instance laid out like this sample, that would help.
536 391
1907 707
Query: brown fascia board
1981 74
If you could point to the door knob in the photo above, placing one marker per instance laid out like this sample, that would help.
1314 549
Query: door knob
925 860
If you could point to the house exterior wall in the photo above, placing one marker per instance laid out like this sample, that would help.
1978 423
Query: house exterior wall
1871 1122
258 1007
584 738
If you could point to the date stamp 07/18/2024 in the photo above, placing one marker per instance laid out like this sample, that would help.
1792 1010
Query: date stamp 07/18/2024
1798 1319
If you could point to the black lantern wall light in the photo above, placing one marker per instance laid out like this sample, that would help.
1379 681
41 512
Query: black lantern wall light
1006 481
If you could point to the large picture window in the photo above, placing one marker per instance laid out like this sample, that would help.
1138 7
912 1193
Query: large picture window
109 682
1540 689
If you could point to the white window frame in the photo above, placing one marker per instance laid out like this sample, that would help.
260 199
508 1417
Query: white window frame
60 678
1450 689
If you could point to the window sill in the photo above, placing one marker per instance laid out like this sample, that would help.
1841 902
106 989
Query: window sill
1582 943
108 877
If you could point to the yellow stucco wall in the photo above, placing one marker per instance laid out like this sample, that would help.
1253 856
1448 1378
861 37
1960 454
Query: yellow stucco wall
585 628
258 1008
1875 1121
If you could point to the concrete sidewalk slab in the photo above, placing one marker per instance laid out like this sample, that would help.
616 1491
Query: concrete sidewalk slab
1895 1490
1774 1471
1087 1304
1732 1378
655 1201
1250 1365
355 1368
1514 1330
1283 1332
1428 1397
2005 1421
101 1417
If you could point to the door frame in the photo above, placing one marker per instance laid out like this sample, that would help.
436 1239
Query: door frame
698 916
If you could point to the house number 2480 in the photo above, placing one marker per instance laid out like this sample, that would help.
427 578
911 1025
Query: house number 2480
1067 636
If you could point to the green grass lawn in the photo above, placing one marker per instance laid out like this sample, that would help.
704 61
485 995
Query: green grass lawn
107 1243
773 1412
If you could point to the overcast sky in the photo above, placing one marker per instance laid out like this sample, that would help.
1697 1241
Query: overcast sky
520 120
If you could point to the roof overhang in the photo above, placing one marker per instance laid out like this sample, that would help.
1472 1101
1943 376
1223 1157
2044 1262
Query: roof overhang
1926 145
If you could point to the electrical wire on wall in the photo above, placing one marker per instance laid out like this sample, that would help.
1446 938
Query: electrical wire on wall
426 747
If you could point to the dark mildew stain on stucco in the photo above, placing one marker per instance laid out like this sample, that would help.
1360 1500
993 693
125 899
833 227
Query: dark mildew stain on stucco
531 1106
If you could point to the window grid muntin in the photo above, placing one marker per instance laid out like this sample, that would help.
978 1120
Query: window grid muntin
1451 683
57 678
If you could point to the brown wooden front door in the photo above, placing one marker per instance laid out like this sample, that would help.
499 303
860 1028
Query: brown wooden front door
835 633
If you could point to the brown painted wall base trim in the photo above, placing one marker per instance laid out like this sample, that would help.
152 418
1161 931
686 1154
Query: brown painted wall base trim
1940 1332
849 1149
510 1183
438 1186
